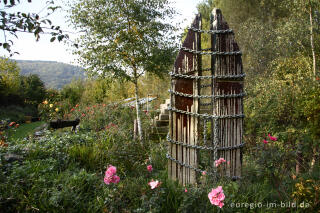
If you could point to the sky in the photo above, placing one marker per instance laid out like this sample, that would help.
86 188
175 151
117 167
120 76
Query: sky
45 50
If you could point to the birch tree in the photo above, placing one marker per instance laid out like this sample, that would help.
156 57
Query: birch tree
124 39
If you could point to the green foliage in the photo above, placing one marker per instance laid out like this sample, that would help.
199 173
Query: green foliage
10 82
72 93
62 170
17 113
19 95
24 130
265 30
124 38
15 22
32 89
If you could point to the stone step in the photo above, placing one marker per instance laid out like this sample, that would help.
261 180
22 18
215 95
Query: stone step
155 136
207 111
163 117
168 101
159 123
160 130
164 111
163 106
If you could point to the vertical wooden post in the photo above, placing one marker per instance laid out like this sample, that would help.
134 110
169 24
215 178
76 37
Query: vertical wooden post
228 71
135 129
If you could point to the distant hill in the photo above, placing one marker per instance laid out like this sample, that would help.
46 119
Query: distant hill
54 74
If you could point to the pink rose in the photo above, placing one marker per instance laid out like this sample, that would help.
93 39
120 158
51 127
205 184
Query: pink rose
154 184
149 167
111 170
272 138
216 196
115 179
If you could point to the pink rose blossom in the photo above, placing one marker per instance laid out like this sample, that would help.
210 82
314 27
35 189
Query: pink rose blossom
154 184
111 170
204 172
149 167
107 180
185 190
221 204
272 138
110 175
265 141
115 179
218 162
216 196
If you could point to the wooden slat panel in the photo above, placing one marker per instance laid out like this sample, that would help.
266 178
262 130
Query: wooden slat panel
230 128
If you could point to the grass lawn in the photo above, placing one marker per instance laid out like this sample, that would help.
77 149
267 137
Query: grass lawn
24 130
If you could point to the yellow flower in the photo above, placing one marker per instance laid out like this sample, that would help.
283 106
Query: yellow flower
45 102
51 105
57 109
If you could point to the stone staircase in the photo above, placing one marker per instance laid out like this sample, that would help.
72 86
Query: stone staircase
161 122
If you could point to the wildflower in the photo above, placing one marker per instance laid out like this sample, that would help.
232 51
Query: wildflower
218 162
272 138
115 179
72 110
107 179
83 115
77 105
185 190
265 141
110 175
216 196
112 170
154 184
57 109
12 123
51 105
45 102
204 172
111 125
149 167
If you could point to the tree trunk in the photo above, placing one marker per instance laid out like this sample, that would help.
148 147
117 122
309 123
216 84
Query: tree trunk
138 110
312 41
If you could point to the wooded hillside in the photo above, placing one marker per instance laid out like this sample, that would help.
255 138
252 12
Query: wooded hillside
53 74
